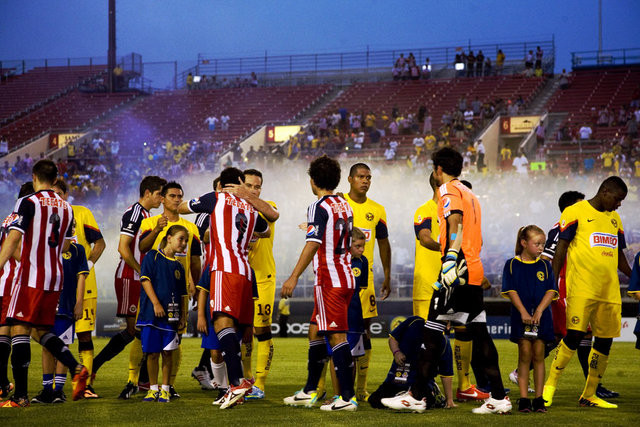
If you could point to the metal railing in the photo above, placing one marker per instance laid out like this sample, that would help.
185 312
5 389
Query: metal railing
615 57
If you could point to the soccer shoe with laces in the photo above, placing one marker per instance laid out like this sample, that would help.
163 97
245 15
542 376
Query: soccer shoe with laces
524 405
164 396
89 393
513 377
300 398
5 390
129 390
59 396
173 393
603 393
79 383
494 406
472 393
547 394
202 376
236 393
221 394
152 396
45 396
405 402
340 405
596 402
16 402
538 405
255 393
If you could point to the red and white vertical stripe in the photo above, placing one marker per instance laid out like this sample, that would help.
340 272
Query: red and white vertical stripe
137 214
7 274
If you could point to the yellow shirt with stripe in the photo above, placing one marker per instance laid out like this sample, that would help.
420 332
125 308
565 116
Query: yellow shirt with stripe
87 229
592 255
261 254
367 216
427 262
193 242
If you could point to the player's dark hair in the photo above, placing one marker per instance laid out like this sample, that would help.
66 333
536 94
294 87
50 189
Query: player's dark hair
525 233
152 183
432 181
357 234
449 160
231 176
569 198
61 184
215 183
173 230
168 186
26 189
466 184
254 172
355 167
325 173
45 170
613 183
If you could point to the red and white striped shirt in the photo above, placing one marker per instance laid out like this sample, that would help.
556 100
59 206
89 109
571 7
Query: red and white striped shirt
44 219
330 222
233 221
8 272
130 226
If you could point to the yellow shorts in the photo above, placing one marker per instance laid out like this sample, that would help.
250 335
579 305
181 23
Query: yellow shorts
88 321
368 301
605 318
263 306
421 307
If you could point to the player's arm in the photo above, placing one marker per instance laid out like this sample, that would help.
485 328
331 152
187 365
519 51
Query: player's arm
77 309
196 268
308 252
546 300
623 264
10 245
398 355
158 309
385 256
454 220
202 306
124 249
517 303
426 241
96 252
269 212
149 236
559 256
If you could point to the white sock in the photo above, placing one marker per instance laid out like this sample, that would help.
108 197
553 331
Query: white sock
220 374
153 387
165 387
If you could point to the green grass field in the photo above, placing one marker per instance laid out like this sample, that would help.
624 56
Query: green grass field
289 374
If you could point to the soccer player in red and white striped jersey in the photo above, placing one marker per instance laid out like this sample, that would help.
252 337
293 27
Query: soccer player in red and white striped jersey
233 219
127 281
330 221
43 224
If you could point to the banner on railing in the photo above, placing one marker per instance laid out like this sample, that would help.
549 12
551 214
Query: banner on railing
281 133
59 140
518 124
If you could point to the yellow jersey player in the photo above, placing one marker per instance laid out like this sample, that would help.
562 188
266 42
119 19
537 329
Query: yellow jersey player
88 235
264 267
371 218
592 239
153 230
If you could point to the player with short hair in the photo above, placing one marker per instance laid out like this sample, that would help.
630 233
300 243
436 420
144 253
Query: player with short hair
7 275
371 218
592 240
88 235
234 218
43 225
127 282
329 225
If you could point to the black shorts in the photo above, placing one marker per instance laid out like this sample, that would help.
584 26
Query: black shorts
466 306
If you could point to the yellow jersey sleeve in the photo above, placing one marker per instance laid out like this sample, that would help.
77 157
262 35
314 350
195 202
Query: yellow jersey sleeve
261 253
427 262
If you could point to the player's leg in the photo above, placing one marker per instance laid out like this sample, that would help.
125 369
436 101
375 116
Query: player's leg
538 375
167 375
225 330
343 363
48 369
369 311
20 360
524 361
84 328
246 351
59 381
219 370
445 370
485 350
176 360
584 349
462 354
153 368
263 312
5 351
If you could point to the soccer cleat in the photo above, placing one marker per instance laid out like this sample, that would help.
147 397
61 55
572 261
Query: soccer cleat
547 394
494 406
513 376
596 402
164 396
16 402
79 383
221 394
45 396
405 402
300 398
5 390
59 396
604 393
472 393
524 405
129 390
173 393
255 393
202 376
152 396
89 393
235 393
538 405
340 405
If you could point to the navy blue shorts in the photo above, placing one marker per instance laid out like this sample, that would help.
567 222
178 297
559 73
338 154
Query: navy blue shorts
64 328
156 340
356 344
210 340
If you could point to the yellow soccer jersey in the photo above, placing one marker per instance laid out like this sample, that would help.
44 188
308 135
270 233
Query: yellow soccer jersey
592 256
427 264
194 248
261 254
87 233
371 218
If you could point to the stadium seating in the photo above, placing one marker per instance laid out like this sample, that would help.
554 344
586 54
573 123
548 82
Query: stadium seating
23 92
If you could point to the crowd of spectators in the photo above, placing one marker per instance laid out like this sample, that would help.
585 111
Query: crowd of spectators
204 81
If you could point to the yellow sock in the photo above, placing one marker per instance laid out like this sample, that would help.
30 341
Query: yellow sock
135 359
176 358
245 351
462 354
263 362
560 361
86 358
322 382
597 365
362 369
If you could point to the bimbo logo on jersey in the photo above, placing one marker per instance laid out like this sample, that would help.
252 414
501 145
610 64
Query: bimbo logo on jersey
603 240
